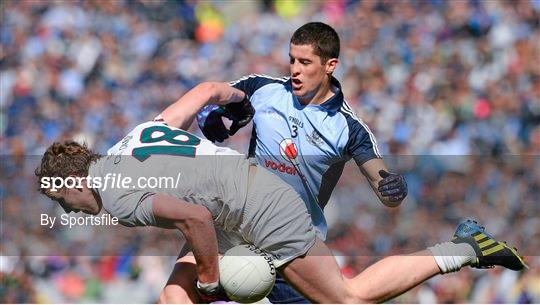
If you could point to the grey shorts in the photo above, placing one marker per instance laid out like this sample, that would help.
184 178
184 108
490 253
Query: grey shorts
276 219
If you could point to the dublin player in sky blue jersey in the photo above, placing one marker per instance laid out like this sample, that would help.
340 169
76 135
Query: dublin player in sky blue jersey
304 130
307 110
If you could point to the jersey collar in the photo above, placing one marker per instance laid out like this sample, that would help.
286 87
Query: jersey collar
334 103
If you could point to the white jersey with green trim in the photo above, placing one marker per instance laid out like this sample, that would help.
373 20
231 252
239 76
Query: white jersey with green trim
158 158
156 137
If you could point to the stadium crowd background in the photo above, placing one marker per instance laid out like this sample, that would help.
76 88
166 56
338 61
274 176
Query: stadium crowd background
451 89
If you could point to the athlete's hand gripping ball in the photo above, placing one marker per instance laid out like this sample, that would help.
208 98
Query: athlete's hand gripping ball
392 186
210 119
210 293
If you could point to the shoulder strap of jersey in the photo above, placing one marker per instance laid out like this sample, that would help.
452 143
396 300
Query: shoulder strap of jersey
251 83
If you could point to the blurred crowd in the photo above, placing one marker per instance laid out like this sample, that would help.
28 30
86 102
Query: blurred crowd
451 89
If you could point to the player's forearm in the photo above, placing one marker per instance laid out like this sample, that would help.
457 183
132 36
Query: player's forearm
223 94
390 188
183 111
196 224
202 237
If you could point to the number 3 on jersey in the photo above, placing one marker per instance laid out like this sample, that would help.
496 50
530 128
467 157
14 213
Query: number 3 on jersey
181 143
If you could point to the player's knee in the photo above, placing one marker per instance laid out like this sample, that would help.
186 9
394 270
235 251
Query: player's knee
170 295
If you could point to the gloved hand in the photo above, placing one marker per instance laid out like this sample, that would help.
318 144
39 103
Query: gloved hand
210 119
211 123
393 186
240 113
211 292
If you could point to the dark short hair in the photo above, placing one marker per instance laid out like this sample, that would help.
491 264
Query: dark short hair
321 36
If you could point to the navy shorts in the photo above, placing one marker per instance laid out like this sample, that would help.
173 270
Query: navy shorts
282 293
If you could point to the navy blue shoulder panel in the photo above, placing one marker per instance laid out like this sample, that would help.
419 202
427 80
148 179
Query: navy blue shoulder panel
251 83
361 145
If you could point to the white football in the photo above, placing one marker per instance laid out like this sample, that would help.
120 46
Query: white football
246 274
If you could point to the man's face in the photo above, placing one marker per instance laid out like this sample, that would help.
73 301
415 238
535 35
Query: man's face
75 200
307 71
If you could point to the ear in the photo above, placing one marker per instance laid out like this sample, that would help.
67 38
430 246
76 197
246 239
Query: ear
82 185
80 182
331 65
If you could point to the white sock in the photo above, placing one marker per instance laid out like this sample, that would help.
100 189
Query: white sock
451 257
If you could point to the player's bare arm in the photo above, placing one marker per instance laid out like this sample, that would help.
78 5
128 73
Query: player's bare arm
181 113
196 223
391 188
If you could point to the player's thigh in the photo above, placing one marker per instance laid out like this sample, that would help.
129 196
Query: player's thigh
317 276
284 293
180 287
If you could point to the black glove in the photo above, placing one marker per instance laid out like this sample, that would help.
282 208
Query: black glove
211 119
209 293
240 113
212 125
393 186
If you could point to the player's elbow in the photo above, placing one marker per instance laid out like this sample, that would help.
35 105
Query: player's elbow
209 89
206 86
198 218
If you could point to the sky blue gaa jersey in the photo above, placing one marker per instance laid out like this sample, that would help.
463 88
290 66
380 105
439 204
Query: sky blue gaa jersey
307 146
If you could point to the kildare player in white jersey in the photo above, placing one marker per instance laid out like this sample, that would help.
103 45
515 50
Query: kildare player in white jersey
222 200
